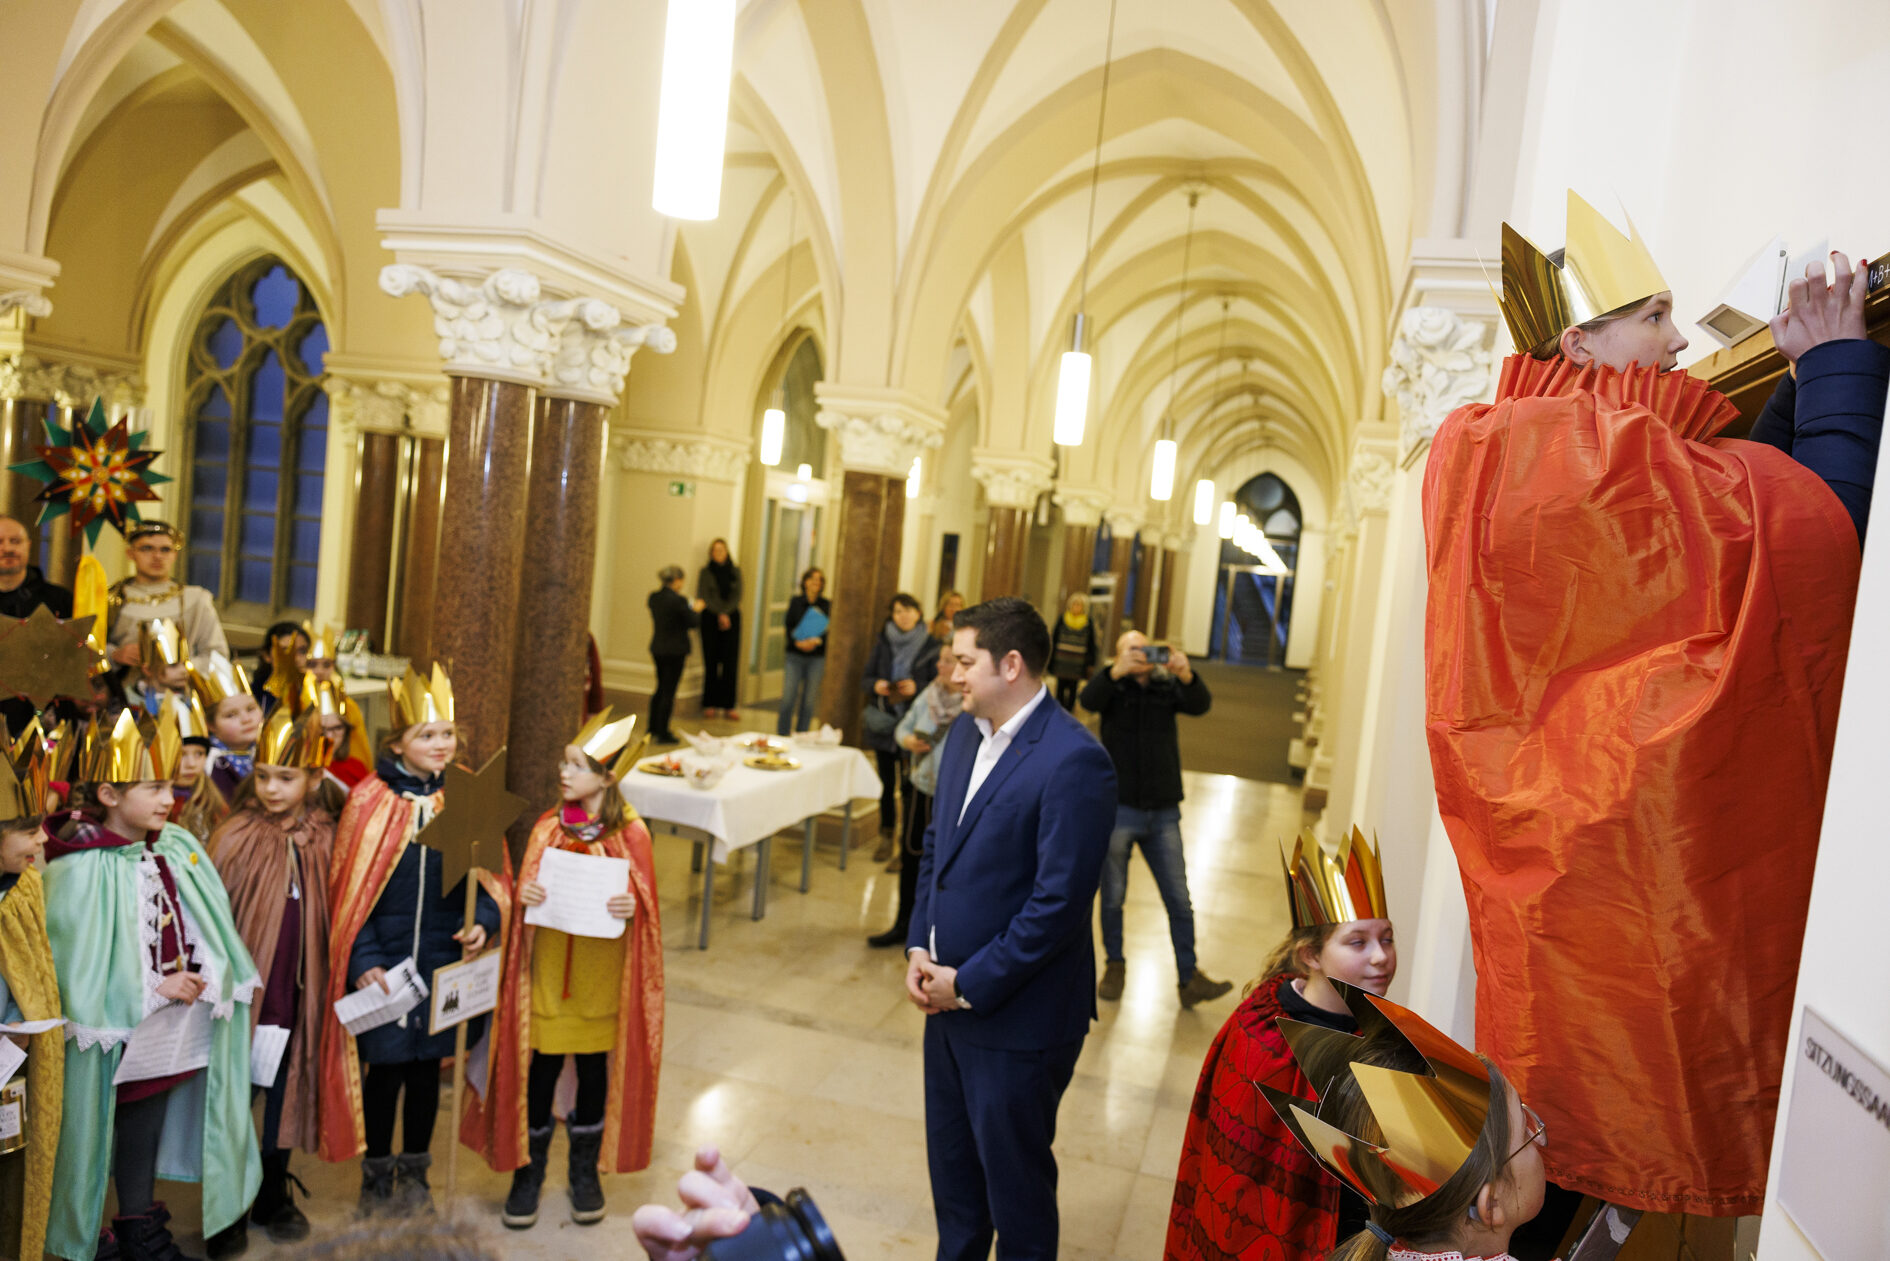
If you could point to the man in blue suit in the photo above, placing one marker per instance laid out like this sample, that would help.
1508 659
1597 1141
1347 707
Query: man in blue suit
1002 960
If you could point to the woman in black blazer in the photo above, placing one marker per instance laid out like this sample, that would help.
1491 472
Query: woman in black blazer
672 616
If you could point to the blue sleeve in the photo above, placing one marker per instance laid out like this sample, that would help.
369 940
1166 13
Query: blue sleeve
1838 421
370 950
1079 811
485 910
1774 425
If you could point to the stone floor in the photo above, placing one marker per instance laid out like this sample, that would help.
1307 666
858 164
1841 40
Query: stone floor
791 1044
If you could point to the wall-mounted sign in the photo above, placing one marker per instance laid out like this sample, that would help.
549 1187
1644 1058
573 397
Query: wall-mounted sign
1836 1163
682 490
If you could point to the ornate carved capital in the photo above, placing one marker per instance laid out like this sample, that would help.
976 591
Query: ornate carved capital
1082 505
1438 363
26 375
1011 481
31 301
680 455
880 441
594 348
385 406
1369 479
1123 524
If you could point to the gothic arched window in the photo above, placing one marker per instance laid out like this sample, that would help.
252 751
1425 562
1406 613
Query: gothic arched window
256 441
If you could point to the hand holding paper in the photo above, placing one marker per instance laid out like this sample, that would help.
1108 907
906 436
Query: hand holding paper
578 892
374 1006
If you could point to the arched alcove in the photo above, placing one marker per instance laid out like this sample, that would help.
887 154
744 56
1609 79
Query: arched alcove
1253 611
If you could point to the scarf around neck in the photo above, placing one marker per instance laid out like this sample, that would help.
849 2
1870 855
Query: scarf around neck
1076 621
906 646
723 572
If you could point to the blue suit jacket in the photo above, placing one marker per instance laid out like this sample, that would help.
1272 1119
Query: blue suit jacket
1007 892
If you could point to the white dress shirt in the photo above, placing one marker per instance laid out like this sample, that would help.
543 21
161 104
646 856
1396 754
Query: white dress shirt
995 742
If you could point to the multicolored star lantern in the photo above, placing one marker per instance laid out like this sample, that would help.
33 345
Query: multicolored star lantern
95 472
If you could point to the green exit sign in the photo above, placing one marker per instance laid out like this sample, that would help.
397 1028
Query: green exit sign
682 490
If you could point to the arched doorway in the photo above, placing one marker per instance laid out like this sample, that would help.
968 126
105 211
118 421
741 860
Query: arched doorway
1253 609
794 502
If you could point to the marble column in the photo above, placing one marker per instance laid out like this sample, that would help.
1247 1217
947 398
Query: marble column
1121 553
420 549
371 551
880 432
1082 509
22 430
1150 577
1011 484
1165 601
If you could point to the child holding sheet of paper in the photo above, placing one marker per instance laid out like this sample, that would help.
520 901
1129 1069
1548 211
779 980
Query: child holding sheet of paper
139 924
597 999
273 853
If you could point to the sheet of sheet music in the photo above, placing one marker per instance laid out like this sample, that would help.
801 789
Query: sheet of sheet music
577 889
172 1039
266 1046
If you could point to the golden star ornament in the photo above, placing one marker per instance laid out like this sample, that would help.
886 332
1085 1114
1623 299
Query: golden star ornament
42 657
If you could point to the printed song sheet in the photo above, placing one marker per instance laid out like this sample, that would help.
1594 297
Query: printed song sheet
11 1057
372 1007
266 1046
577 889
173 1039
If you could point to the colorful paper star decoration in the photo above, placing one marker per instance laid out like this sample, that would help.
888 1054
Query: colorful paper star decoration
96 472
42 657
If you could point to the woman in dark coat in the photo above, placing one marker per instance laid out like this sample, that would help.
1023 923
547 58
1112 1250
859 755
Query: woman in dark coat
903 661
719 596
672 617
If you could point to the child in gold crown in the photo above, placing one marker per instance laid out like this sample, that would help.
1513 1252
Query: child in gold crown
388 907
598 1000
273 852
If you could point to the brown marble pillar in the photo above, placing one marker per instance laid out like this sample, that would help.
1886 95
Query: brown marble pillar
482 544
1145 587
554 599
371 554
1165 601
22 430
1079 554
1121 551
866 577
420 550
1006 539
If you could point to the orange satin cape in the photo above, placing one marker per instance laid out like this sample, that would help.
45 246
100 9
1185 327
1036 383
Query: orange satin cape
495 1125
1634 649
374 831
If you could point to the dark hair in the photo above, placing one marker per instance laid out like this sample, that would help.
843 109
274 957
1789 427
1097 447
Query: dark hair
811 571
1284 959
26 822
1434 1221
276 631
1006 625
908 601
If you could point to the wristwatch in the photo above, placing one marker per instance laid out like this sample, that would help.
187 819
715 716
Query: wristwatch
964 1004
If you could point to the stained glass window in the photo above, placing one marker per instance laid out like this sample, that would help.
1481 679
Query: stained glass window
257 441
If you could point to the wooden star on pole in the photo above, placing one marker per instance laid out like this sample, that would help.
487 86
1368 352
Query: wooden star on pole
42 657
470 828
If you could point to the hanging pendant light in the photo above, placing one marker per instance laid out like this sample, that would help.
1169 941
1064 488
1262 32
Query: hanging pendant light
692 111
774 420
1161 478
1203 502
1073 373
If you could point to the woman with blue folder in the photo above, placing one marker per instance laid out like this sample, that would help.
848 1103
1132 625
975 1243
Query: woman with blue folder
806 658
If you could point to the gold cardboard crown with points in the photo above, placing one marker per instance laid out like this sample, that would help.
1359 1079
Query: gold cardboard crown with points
1601 272
216 679
1429 1097
26 773
192 723
418 699
294 739
1324 888
161 643
130 752
322 644
609 744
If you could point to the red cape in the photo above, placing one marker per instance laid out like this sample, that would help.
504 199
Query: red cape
1634 649
495 1125
1246 1188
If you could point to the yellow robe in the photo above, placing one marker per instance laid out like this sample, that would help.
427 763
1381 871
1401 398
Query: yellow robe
27 964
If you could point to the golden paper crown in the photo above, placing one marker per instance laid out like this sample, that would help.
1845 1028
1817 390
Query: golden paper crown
161 643
1429 1097
26 774
130 752
192 723
322 643
292 739
1601 272
609 744
417 700
217 679
1325 888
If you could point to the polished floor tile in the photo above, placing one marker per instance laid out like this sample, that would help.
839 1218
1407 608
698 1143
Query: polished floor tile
790 1044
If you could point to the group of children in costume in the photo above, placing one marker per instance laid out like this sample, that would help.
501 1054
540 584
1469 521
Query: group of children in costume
189 854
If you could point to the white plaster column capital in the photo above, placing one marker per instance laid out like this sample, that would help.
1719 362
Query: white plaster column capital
70 384
1177 541
683 455
1082 505
880 431
1123 524
593 348
1011 480
1439 362
384 405
489 329
1372 470
31 301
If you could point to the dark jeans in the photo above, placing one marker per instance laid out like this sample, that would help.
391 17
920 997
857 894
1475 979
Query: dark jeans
669 668
721 651
894 783
918 816
593 1088
381 1085
990 1118
1158 832
1066 693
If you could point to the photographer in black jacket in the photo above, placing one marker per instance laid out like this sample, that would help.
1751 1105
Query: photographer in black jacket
1137 698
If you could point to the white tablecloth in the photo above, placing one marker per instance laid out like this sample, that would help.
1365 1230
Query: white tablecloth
749 805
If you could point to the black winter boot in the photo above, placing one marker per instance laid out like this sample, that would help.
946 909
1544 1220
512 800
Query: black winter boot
521 1203
274 1209
586 1192
412 1196
147 1237
231 1241
377 1186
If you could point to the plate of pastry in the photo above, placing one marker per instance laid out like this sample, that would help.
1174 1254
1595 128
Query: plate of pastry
669 765
772 762
765 744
